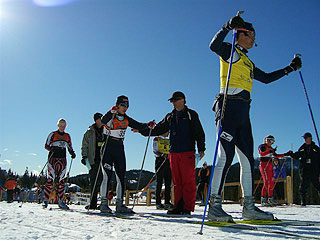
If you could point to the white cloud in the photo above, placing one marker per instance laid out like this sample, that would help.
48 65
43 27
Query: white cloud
5 149
16 151
6 162
32 154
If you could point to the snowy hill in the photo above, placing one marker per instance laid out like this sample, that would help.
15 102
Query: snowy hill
32 222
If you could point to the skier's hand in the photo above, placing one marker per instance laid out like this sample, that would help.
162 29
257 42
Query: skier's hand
83 161
235 22
114 110
201 155
151 124
272 151
296 63
289 153
73 155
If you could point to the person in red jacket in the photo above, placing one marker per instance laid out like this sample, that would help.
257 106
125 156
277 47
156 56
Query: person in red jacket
267 152
10 185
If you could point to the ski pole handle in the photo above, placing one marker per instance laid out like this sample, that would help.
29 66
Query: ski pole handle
297 55
239 13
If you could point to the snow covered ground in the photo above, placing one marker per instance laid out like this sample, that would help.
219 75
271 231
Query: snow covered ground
32 222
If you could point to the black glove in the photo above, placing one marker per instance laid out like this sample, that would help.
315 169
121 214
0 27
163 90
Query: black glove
83 161
296 63
289 153
272 151
235 22
73 155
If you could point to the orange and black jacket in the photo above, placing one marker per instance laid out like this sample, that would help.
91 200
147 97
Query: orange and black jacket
118 126
56 144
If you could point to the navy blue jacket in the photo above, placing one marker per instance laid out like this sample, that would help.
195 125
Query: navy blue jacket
185 131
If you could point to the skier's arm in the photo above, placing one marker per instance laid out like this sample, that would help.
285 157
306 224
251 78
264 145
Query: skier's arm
106 118
263 151
266 78
217 45
48 142
85 145
70 149
161 128
199 134
137 125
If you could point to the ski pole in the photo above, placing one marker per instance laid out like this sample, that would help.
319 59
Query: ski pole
147 186
104 146
308 102
220 122
144 157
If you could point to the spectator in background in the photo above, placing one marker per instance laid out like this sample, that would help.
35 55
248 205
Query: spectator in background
163 170
204 174
309 155
279 172
10 185
92 141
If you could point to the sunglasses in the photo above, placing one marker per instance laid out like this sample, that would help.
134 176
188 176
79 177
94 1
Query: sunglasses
123 105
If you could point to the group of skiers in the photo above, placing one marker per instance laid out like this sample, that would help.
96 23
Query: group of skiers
102 145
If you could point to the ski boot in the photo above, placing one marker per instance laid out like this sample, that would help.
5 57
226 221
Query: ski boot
264 202
251 212
45 203
160 206
176 210
168 206
216 213
303 200
62 205
272 202
104 207
121 208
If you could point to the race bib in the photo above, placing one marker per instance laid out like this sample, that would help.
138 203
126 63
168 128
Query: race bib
163 145
118 133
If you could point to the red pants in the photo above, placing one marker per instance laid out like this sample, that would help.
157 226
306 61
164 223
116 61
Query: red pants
183 176
267 175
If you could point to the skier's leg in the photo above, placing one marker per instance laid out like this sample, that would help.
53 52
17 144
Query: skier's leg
244 150
176 177
49 184
160 177
106 167
187 173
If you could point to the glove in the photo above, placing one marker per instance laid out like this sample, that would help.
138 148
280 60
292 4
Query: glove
114 109
83 161
296 63
289 153
272 151
73 155
151 124
235 22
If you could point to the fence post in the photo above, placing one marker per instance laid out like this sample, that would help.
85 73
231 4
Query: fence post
127 197
148 200
289 190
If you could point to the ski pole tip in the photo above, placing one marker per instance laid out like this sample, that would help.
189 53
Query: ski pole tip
200 233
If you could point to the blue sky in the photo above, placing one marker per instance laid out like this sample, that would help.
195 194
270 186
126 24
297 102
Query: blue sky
72 60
